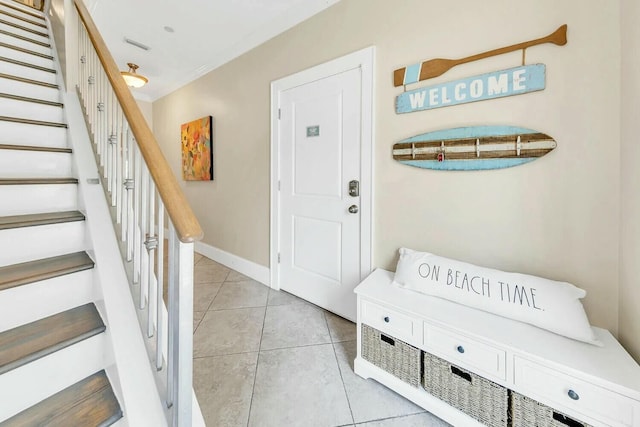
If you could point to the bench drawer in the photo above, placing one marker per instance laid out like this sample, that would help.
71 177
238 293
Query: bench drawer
390 321
482 358
561 391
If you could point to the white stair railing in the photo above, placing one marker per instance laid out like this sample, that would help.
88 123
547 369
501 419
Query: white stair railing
145 198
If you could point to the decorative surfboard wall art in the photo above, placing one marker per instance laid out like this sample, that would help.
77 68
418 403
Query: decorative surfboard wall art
498 84
473 148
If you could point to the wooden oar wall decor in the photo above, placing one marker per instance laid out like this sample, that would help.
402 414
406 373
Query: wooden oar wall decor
498 84
437 67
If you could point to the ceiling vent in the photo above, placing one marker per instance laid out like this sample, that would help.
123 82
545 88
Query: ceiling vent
136 44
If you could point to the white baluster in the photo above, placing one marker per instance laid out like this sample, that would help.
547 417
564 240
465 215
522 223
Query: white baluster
81 59
105 129
124 175
117 180
180 363
105 133
171 313
137 166
144 214
82 55
131 186
104 143
92 90
160 330
152 245
115 148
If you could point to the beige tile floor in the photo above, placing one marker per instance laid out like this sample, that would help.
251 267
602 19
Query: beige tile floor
267 358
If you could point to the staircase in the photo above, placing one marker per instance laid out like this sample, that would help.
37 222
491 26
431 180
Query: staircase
56 359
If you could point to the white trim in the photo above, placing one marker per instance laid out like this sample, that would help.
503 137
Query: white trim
241 265
365 60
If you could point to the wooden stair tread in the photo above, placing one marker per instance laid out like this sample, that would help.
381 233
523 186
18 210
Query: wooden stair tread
35 147
10 6
37 181
26 343
34 100
23 50
90 402
30 81
23 28
42 269
22 18
26 39
32 122
26 64
30 220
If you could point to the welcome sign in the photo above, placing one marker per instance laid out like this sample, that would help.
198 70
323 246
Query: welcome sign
498 84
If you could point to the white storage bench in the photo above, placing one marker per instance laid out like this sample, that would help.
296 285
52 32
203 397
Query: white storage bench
491 370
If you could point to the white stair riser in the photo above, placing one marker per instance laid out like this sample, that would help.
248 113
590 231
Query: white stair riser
26 134
27 10
31 110
26 57
25 44
34 164
28 303
27 385
28 72
26 199
29 90
24 24
22 31
31 243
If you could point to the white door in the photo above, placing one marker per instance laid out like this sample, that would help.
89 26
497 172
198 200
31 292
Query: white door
319 155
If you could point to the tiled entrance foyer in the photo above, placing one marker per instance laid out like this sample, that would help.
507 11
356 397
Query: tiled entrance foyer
267 358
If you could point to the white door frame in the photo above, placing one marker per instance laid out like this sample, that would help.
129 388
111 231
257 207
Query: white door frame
364 60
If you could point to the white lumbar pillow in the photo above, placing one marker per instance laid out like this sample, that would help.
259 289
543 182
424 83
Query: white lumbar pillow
547 304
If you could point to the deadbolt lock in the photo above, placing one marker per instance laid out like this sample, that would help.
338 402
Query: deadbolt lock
354 188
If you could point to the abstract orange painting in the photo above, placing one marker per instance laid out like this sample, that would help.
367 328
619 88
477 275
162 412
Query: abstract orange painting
197 151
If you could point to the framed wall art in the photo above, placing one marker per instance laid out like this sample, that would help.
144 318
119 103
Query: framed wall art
197 149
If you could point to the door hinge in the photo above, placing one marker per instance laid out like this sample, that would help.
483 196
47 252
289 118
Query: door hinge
278 257
278 185
279 114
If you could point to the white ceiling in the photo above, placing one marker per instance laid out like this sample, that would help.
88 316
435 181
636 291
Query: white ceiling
207 34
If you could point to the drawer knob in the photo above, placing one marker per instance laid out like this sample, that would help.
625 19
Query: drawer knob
460 349
573 395
386 319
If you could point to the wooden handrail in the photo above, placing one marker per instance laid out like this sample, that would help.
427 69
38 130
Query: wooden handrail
185 222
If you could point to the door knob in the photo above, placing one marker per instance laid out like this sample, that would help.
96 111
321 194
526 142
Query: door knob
353 209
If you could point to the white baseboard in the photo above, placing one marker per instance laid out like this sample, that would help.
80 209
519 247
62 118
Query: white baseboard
248 268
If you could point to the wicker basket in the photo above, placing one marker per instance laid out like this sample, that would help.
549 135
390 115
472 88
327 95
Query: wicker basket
391 355
526 412
477 397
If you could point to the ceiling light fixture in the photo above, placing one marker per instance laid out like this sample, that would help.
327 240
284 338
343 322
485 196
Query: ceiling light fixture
132 78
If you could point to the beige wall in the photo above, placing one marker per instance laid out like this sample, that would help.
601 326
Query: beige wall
147 111
557 217
630 183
